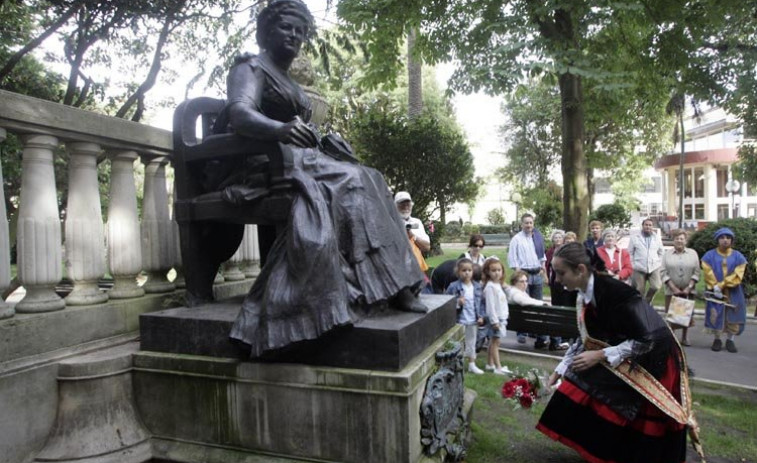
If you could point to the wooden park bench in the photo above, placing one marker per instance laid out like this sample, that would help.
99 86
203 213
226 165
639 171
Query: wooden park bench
211 227
497 239
543 319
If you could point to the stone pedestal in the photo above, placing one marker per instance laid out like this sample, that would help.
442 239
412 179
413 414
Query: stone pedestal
85 237
124 245
157 228
213 410
6 311
97 420
39 231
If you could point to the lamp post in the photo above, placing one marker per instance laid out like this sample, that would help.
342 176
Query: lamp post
733 187
516 198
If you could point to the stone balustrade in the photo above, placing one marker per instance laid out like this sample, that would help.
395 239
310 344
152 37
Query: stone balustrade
87 246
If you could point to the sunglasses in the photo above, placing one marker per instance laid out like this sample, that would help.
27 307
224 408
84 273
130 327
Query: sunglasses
479 246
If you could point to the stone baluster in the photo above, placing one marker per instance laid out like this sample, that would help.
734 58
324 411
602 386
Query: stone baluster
85 236
231 270
250 252
39 231
124 243
157 228
6 311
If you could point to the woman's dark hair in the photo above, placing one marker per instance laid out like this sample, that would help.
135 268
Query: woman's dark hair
576 253
271 13
475 238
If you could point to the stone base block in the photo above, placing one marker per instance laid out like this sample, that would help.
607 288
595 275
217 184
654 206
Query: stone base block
384 340
228 407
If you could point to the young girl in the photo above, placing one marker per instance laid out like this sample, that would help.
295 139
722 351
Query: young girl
469 312
496 310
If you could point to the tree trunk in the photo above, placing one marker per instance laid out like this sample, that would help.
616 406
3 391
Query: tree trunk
575 188
414 78
150 79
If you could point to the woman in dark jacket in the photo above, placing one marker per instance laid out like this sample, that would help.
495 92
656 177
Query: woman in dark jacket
624 393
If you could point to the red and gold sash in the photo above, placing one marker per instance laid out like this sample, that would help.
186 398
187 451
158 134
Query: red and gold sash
647 385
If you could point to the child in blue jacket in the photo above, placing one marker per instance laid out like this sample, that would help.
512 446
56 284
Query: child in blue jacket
469 311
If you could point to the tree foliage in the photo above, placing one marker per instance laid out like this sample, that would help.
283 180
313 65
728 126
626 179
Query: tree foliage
424 155
613 215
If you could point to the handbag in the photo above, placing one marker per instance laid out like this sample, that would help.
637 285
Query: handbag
680 312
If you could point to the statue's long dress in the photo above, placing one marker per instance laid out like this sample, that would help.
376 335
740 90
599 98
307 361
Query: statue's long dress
344 244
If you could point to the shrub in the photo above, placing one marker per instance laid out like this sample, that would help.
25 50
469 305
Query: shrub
453 230
745 242
493 229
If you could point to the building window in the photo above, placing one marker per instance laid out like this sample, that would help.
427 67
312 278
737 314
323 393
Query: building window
687 181
721 174
699 211
699 182
687 212
751 210
722 211
654 186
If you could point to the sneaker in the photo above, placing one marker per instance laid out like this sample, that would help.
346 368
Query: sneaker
730 346
717 345
505 370
501 371
474 369
540 345
521 339
490 368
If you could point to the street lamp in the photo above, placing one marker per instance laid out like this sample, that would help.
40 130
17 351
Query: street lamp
733 187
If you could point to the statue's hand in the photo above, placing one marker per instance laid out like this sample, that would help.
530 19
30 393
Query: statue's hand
298 133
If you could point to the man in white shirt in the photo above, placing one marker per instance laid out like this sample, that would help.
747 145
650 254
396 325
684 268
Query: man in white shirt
417 235
526 252
646 252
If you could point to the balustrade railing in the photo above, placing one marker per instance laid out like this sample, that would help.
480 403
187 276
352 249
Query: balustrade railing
120 245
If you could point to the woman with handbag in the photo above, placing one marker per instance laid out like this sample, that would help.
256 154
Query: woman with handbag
680 274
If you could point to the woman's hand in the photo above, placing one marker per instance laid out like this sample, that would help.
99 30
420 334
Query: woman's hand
297 133
480 321
553 378
587 359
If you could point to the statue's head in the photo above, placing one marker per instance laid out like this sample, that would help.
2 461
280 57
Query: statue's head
278 19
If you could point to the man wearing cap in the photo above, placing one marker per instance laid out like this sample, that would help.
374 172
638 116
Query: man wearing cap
723 269
646 251
415 231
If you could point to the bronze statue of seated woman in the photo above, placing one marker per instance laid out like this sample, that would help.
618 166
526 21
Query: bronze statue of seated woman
344 246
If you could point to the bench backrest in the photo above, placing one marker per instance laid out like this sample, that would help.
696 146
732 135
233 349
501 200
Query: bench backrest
543 319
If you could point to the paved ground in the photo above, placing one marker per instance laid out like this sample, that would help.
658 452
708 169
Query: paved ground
723 367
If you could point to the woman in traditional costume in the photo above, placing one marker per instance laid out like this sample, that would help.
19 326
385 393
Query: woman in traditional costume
723 269
344 245
624 394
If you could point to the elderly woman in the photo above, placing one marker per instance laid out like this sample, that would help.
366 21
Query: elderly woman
680 273
344 246
617 261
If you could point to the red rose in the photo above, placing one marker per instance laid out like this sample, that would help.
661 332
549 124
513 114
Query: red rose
508 390
524 384
526 400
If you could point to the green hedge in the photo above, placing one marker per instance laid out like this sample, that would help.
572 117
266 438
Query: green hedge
744 242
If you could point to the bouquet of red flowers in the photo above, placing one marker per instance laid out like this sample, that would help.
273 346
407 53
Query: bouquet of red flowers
523 390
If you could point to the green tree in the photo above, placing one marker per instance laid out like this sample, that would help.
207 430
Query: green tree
613 215
495 217
424 156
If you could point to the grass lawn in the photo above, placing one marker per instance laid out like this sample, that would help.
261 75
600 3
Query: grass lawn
501 252
726 416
